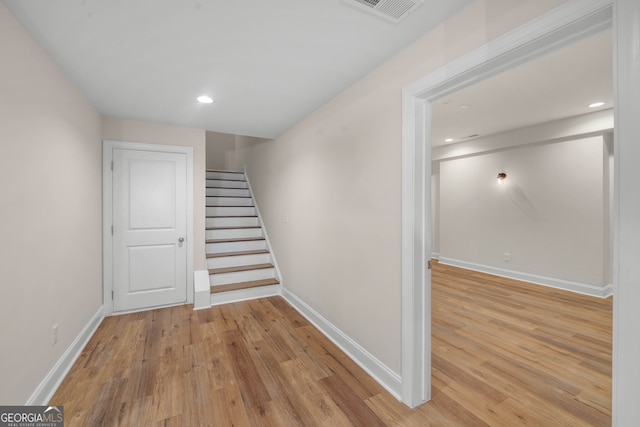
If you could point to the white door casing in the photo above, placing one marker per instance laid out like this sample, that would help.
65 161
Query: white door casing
148 226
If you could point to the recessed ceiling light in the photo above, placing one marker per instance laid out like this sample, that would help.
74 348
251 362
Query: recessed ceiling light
596 104
465 106
448 140
204 99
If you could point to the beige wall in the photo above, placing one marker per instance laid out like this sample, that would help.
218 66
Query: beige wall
548 214
155 133
336 175
51 207
221 151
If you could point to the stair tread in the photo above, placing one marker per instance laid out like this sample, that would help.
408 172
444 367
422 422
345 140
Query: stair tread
233 197
231 227
240 239
243 285
239 253
232 216
226 188
231 206
239 268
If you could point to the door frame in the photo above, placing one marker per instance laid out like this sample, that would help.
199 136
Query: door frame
107 214
563 25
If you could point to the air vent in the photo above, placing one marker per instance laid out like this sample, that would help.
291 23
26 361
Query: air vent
393 10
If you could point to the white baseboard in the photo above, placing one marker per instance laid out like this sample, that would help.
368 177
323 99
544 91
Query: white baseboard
380 372
45 390
244 295
435 255
567 285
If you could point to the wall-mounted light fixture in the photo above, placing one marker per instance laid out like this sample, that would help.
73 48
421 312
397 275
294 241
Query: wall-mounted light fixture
501 177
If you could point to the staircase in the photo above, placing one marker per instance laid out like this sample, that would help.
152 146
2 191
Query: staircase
238 257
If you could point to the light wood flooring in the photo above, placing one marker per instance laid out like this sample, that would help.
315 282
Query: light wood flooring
504 354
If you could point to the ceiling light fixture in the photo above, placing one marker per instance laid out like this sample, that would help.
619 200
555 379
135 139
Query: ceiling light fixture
204 99
448 140
596 104
501 177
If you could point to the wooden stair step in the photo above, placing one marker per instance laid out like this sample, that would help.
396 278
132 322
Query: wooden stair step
241 239
243 285
231 227
233 216
224 188
239 268
240 253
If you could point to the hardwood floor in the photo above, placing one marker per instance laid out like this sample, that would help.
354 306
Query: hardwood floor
504 354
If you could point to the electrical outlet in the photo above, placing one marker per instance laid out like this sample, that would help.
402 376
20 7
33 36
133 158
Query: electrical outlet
506 257
55 334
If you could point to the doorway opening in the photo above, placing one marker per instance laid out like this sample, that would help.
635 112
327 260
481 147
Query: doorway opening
561 27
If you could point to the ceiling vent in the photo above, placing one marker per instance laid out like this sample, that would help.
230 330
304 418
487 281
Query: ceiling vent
392 10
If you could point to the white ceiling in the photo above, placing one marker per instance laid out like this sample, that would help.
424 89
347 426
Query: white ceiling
267 63
559 85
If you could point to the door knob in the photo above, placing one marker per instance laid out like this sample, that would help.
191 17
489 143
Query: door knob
181 239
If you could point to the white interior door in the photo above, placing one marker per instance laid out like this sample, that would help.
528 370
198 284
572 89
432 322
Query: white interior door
149 229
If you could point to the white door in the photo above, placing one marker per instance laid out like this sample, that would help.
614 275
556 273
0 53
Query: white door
149 229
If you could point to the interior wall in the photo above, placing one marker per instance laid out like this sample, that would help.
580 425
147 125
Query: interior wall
329 189
221 151
155 133
548 215
51 204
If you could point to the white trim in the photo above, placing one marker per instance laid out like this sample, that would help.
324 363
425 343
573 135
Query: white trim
46 389
571 21
551 282
264 229
201 290
107 215
378 370
244 295
626 233
435 255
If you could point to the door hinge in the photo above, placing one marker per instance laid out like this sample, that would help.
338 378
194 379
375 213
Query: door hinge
112 165
112 230
429 264
111 295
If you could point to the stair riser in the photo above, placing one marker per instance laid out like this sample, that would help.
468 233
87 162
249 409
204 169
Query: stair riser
241 276
226 184
231 211
233 233
225 175
229 201
231 222
238 260
216 248
226 192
